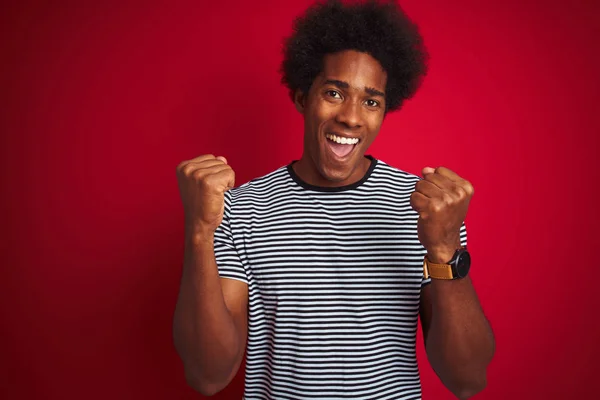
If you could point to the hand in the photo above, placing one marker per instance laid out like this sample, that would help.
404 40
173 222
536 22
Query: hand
441 199
203 182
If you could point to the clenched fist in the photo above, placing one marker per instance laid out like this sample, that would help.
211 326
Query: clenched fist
203 182
441 198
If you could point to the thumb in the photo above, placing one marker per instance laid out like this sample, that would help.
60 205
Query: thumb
427 171
231 181
222 159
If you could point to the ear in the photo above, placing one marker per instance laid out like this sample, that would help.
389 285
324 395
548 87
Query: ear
299 101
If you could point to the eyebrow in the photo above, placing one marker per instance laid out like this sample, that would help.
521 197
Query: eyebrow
346 85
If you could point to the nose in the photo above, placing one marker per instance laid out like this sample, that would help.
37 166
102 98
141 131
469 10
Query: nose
350 114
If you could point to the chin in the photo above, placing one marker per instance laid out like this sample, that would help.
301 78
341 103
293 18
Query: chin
337 172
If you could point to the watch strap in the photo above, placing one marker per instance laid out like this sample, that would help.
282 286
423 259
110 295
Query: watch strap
437 271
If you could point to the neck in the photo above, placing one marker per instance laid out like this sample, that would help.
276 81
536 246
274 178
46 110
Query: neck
306 170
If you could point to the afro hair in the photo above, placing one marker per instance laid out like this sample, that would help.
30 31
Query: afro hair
380 29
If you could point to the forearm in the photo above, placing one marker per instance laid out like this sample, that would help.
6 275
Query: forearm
460 343
204 331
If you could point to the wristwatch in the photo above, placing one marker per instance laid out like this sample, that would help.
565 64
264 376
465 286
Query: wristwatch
458 267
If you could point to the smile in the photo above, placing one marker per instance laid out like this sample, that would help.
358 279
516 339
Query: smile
341 140
341 146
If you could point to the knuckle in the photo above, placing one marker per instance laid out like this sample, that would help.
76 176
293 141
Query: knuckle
461 192
413 197
469 188
416 197
199 175
447 199
436 206
188 169
208 180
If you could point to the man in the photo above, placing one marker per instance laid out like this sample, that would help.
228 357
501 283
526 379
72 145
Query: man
320 269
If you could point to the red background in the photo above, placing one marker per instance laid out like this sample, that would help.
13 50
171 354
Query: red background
101 101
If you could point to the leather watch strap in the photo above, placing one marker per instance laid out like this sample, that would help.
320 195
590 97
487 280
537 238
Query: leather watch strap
437 271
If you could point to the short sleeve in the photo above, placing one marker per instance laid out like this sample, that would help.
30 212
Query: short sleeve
226 255
463 243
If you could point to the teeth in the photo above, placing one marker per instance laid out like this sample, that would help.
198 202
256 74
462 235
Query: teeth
341 140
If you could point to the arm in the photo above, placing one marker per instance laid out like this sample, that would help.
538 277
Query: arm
458 338
210 321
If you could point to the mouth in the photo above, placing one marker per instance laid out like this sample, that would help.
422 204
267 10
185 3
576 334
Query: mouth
341 146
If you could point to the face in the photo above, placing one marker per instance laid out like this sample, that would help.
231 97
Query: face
343 112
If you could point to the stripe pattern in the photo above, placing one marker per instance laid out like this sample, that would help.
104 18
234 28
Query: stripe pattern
334 281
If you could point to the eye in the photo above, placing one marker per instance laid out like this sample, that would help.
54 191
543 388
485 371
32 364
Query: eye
334 94
372 103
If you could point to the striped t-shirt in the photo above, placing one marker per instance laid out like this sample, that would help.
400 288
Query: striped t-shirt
334 278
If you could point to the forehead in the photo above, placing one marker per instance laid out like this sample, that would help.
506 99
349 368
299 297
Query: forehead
359 70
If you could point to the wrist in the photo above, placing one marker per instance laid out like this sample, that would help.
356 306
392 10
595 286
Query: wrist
442 255
199 233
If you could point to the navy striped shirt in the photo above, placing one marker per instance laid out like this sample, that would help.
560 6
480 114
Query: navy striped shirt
334 278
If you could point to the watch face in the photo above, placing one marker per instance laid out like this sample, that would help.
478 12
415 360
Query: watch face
463 264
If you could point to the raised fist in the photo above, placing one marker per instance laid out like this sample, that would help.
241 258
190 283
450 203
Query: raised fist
203 182
441 198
